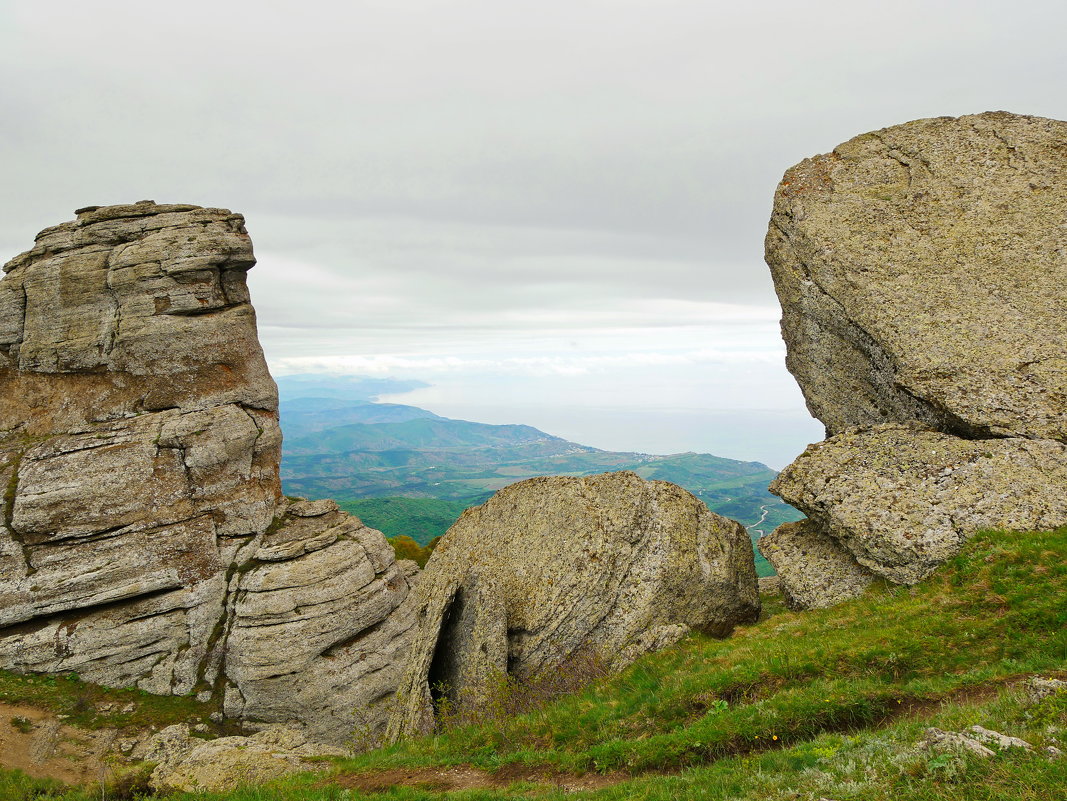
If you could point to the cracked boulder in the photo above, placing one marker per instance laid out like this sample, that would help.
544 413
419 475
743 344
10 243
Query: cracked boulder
557 572
814 572
922 272
145 541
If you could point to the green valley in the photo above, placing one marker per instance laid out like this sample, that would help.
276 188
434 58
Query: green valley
409 472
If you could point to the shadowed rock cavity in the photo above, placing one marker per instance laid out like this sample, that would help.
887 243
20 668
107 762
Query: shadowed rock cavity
144 539
553 568
922 272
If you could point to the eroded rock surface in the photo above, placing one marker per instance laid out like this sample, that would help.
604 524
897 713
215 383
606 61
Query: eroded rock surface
813 570
188 764
144 539
922 272
318 631
550 568
901 501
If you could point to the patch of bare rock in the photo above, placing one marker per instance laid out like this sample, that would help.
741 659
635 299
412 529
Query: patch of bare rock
922 272
554 568
979 741
183 762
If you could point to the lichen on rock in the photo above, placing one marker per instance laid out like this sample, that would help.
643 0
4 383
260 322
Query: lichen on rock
922 274
815 572
553 567
901 501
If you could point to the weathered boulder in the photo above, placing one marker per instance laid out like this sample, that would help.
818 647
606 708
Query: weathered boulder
922 272
331 590
813 570
552 568
187 764
145 541
901 501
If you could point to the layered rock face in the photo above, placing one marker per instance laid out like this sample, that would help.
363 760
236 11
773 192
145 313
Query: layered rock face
922 271
144 536
549 568
319 629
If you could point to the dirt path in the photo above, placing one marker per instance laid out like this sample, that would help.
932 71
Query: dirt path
39 744
466 777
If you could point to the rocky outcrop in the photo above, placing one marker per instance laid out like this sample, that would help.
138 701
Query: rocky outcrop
185 763
923 277
921 272
331 590
901 501
552 568
144 539
813 570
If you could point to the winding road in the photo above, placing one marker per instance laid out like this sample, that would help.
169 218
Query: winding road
758 522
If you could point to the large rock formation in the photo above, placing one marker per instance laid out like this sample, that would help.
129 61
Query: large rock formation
903 500
549 568
144 539
922 271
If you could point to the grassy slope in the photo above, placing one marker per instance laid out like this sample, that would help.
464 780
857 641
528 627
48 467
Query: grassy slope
802 705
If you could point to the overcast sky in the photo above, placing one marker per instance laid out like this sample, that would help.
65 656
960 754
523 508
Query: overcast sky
553 211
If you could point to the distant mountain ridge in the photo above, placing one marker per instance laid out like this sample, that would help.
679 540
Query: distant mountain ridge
406 470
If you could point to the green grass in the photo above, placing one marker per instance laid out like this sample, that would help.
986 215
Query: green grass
800 705
90 706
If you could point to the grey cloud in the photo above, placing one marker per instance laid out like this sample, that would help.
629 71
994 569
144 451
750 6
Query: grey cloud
450 163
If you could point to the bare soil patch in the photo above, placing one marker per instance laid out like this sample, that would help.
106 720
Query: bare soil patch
40 745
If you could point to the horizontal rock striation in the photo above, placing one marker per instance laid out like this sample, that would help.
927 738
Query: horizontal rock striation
318 630
551 569
922 272
144 535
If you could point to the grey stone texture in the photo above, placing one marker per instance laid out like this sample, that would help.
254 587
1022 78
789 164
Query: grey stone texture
900 501
548 569
145 541
813 570
922 272
185 763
